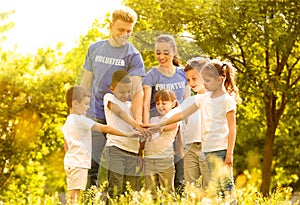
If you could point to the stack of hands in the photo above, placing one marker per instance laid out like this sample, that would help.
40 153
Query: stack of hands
145 131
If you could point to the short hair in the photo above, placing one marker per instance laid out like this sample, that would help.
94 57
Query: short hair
124 13
76 93
120 76
196 64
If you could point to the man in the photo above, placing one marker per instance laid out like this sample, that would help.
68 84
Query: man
102 60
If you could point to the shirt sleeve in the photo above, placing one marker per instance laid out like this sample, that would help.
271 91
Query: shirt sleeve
149 78
84 122
230 104
136 66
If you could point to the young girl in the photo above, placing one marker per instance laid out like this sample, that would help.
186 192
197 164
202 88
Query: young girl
159 153
167 75
218 108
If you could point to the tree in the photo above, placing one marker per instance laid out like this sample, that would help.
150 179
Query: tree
262 40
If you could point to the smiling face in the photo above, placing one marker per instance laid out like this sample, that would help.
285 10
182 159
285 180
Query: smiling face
122 91
164 54
80 107
194 80
163 107
120 31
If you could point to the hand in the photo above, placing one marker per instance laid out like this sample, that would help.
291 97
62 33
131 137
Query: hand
229 160
156 127
133 134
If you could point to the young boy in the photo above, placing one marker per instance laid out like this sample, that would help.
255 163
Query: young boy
121 153
77 136
195 164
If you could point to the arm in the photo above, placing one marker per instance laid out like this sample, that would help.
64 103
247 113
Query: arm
146 104
110 130
187 92
123 115
65 146
137 98
175 118
231 137
87 80
170 127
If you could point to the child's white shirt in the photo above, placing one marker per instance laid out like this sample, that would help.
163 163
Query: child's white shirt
193 124
78 136
124 143
214 122
161 145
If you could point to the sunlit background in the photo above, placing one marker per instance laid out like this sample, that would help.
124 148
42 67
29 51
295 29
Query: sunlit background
41 23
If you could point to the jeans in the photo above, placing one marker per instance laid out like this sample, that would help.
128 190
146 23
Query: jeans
98 144
221 175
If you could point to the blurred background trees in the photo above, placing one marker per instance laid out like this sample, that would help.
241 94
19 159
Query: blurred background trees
260 38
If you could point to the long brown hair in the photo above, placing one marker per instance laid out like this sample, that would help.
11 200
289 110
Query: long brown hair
166 38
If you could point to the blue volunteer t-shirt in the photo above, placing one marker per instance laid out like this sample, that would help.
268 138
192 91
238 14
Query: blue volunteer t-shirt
158 81
103 60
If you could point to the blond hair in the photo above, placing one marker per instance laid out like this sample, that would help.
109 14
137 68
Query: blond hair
124 13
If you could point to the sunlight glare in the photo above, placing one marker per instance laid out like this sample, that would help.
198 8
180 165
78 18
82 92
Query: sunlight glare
42 23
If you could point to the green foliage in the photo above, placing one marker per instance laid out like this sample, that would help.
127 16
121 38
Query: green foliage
262 39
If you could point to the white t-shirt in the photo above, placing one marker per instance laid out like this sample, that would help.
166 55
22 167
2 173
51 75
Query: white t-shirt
78 136
193 124
161 145
214 122
124 143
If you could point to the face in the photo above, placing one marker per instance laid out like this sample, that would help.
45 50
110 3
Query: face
81 107
120 31
123 91
212 83
194 80
164 54
163 107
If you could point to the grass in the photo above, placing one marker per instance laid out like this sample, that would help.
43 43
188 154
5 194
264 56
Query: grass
192 195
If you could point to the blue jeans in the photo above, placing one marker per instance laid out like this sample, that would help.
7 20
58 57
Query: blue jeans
221 176
98 144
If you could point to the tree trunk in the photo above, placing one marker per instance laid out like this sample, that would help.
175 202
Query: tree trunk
272 116
267 160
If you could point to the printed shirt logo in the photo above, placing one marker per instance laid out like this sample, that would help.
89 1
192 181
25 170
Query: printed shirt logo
170 86
109 61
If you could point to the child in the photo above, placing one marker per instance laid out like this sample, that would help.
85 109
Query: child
218 109
77 136
121 152
159 153
195 164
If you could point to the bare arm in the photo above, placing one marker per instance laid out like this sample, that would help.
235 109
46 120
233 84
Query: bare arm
66 148
137 98
170 127
176 117
187 92
231 137
123 115
146 104
110 130
87 80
